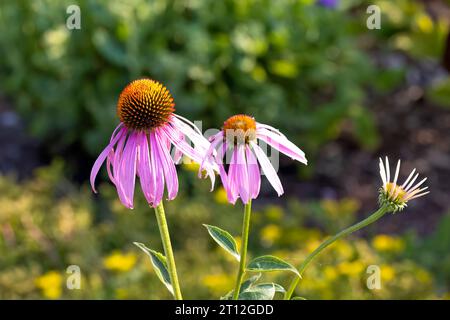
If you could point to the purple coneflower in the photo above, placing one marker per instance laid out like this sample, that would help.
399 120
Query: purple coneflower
141 143
240 134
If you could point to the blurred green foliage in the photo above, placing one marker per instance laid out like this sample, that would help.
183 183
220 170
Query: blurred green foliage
47 224
289 63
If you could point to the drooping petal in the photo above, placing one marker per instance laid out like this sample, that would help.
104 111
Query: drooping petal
157 170
143 168
254 175
126 174
187 150
221 152
191 132
270 128
242 174
168 166
101 158
232 181
282 144
215 141
267 168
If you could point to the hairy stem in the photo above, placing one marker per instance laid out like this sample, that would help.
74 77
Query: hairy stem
243 253
165 238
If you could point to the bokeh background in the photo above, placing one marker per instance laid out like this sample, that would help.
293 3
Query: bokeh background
345 94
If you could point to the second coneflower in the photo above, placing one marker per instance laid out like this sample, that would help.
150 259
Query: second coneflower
240 135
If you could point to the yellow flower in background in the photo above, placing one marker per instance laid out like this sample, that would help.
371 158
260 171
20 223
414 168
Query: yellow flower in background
344 249
387 243
221 196
344 208
218 284
424 23
270 234
330 273
51 284
351 268
274 213
387 272
119 262
312 244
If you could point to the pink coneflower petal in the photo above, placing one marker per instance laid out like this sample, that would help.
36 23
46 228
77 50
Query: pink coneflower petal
267 168
195 155
101 158
215 141
242 174
143 169
189 130
281 144
233 185
254 175
157 170
269 128
170 173
126 174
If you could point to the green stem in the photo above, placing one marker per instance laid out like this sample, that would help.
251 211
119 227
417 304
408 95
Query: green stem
165 238
372 218
244 243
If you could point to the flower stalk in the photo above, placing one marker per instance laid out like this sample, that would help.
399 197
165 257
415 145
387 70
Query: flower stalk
369 220
165 238
243 253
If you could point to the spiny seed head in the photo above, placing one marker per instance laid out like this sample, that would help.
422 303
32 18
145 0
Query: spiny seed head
240 129
145 104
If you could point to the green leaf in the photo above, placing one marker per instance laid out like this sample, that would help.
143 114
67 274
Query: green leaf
250 282
270 263
265 292
224 239
277 287
159 264
245 285
298 298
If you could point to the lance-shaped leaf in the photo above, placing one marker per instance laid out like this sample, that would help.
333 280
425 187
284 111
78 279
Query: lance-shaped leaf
270 263
245 285
266 292
278 288
298 298
224 239
159 264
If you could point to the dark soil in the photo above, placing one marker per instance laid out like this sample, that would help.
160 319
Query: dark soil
20 153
